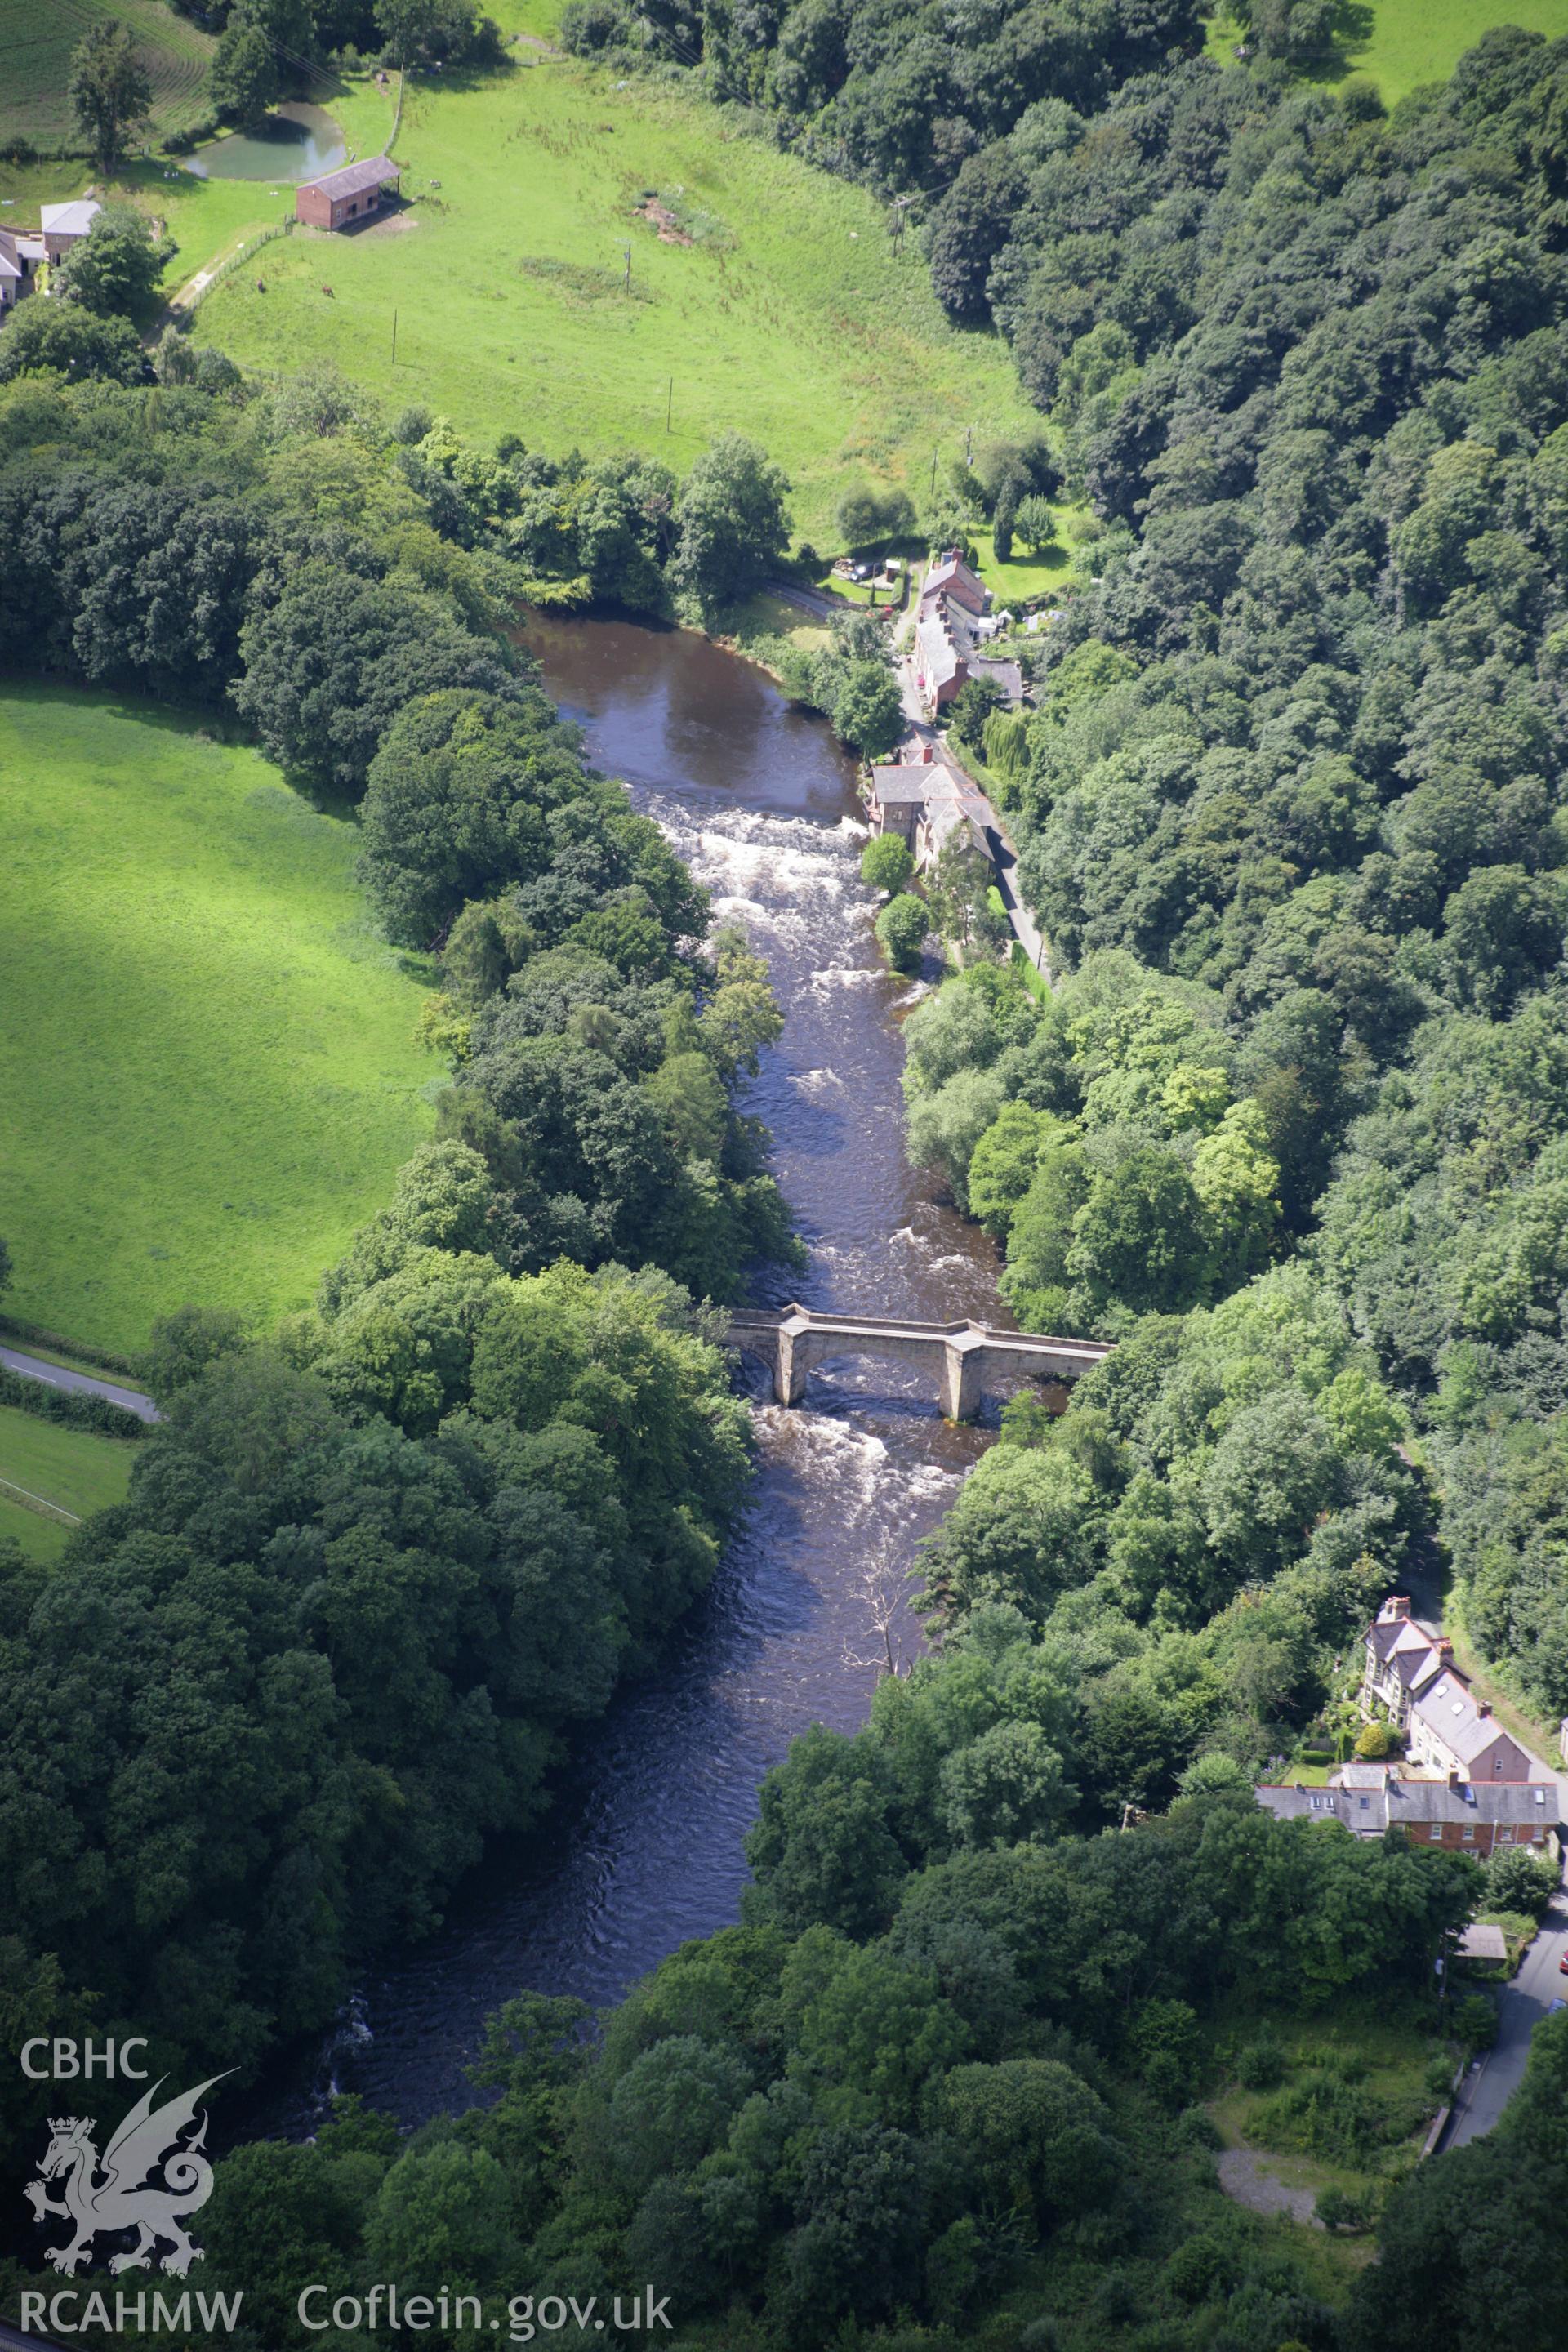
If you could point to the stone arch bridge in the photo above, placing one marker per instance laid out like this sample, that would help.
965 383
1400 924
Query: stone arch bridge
964 1359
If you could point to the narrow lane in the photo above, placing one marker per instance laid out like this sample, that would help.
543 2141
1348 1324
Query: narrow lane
1492 2080
55 1376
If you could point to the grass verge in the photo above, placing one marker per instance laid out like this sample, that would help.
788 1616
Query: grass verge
207 1063
1532 1731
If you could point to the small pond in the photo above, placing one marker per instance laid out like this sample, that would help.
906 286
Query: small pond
295 143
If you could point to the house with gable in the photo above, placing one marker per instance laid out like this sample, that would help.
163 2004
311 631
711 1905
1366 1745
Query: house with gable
1452 1732
1401 1659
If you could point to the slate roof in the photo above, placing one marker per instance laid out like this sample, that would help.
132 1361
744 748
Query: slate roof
68 220
952 576
917 780
1448 1710
1008 676
939 654
1417 1804
1483 1943
357 179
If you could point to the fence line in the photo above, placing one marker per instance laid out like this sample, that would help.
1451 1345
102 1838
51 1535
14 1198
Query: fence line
39 1503
397 115
227 268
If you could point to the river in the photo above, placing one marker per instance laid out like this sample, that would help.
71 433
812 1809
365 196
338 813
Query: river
644 1848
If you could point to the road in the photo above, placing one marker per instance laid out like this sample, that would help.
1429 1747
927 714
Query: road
34 1368
1491 2084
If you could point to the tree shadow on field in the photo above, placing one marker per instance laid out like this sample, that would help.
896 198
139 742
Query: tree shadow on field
1350 28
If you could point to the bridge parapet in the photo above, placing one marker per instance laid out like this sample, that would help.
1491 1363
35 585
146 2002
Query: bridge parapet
966 1357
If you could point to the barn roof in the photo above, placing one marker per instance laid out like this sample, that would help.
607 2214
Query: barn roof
357 179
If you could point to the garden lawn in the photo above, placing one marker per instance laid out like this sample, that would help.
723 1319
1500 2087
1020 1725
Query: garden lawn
208 1059
36 38
1401 44
787 316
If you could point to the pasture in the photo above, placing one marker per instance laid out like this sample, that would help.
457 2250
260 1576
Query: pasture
73 1468
36 38
208 1059
763 294
1399 45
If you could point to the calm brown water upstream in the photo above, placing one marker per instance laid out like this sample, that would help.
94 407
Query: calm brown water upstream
644 1848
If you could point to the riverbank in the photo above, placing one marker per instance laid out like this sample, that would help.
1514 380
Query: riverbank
644 1849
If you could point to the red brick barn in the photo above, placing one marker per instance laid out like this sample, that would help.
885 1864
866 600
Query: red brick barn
341 199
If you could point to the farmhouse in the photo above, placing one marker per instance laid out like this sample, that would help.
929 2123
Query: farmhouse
1370 1799
62 225
339 199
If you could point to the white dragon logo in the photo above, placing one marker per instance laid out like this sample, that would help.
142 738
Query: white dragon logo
147 2142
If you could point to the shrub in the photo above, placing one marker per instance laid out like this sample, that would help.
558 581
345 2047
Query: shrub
1375 1742
1196 2127
1260 2064
1474 2020
1200 2270
886 864
901 929
588 26
64 1405
1322 2115
1336 2210
1519 1881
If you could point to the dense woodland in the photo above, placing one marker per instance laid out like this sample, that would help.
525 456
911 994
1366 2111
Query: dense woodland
1292 800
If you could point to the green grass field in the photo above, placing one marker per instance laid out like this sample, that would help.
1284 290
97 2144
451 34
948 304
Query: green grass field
70 1467
787 316
36 38
207 1060
1401 44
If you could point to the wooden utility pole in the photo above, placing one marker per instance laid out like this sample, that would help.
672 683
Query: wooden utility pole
628 252
395 338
